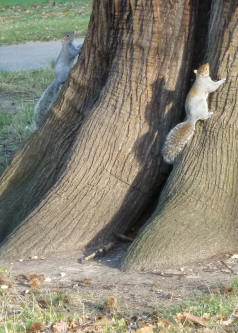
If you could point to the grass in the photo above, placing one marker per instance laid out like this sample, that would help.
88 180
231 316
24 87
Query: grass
28 3
22 21
19 92
44 308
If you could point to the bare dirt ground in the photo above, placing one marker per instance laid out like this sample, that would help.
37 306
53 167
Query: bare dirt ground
137 292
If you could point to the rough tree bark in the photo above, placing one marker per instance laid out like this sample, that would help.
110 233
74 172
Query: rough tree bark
95 165
197 214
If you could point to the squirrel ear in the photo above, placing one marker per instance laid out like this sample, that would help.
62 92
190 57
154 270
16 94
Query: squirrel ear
195 71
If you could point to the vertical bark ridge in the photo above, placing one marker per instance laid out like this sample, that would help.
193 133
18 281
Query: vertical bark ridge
41 161
113 166
197 214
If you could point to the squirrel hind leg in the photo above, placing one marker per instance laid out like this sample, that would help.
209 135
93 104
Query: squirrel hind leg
176 140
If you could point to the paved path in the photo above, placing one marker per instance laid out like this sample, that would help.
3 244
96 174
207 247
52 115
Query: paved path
31 55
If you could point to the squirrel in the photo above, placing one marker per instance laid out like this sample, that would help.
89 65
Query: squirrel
64 63
196 109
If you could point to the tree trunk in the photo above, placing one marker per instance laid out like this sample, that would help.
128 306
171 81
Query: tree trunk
95 165
197 215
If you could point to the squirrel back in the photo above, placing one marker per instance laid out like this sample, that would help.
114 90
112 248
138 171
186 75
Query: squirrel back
196 109
63 66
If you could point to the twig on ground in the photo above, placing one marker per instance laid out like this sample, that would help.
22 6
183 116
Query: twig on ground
100 251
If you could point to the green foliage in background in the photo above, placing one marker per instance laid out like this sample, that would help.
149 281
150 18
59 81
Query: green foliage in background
19 92
26 20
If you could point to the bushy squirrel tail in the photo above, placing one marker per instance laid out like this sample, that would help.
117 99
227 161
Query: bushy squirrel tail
45 102
177 139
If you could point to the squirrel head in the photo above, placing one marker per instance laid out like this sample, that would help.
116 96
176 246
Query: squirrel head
203 70
69 36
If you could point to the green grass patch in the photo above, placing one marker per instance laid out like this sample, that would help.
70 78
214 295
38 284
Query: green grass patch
22 21
28 3
19 92
218 312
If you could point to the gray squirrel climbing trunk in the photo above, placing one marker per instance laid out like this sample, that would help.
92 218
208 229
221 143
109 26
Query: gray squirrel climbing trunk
197 216
68 54
196 108
45 102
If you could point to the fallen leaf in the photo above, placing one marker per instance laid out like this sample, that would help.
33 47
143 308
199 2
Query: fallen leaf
36 327
112 302
180 317
87 281
36 280
4 281
42 303
194 319
225 290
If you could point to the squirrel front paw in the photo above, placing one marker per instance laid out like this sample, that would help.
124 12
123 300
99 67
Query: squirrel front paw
207 116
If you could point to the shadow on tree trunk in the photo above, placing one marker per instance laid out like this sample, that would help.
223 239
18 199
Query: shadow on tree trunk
196 217
129 98
142 196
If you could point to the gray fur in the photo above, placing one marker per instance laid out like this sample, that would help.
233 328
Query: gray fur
64 63
196 109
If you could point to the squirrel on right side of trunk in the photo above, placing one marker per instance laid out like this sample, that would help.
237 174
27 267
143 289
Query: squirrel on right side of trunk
64 63
196 109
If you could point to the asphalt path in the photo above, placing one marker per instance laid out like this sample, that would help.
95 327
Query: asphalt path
30 55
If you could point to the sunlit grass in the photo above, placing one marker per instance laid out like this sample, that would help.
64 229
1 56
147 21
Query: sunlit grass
218 309
28 3
42 21
19 92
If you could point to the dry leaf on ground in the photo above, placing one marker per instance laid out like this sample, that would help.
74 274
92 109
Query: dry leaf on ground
4 281
36 327
185 316
36 280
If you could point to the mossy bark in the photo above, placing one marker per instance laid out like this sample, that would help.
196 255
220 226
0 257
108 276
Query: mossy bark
197 214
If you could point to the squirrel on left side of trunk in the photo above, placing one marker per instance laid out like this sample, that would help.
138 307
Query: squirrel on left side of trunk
64 63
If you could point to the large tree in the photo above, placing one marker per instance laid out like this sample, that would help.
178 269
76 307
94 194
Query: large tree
95 166
197 215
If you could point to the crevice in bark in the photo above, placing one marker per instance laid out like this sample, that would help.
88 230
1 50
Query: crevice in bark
122 132
199 54
201 33
194 219
37 167
150 191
